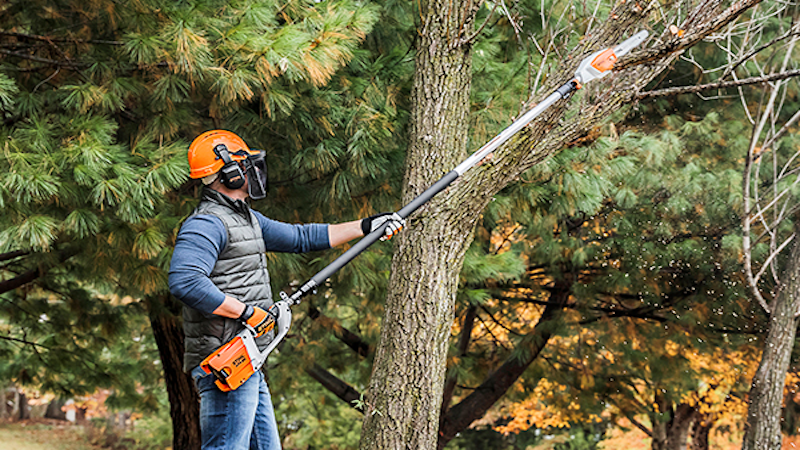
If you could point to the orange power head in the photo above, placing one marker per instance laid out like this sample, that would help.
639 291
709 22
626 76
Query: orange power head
231 364
235 362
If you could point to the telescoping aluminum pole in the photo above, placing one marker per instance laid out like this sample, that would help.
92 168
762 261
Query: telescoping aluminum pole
236 361
596 65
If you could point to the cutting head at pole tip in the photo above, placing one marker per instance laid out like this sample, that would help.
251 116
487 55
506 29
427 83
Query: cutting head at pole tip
630 43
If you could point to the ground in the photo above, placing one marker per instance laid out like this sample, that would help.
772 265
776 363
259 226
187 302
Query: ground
42 435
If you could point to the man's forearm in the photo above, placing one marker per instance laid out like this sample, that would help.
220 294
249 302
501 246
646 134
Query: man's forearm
342 232
230 308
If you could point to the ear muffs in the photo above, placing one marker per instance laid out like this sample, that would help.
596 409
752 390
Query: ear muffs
231 174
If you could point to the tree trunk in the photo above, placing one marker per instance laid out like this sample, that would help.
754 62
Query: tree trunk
408 374
24 408
701 430
763 428
674 433
183 399
14 402
54 410
3 404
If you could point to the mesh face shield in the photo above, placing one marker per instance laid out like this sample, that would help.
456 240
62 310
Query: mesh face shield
256 168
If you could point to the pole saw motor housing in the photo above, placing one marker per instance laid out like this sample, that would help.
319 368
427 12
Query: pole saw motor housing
235 362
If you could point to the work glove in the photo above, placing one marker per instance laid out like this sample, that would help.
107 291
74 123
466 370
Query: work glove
260 320
372 223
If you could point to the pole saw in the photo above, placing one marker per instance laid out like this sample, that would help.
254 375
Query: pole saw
236 361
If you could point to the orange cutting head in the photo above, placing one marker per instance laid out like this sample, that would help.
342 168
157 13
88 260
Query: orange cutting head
605 60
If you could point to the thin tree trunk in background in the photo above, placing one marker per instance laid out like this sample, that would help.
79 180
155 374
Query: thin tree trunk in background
3 403
15 402
763 428
24 408
672 434
183 399
54 410
701 430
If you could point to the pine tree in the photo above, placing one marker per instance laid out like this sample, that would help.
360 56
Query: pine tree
99 102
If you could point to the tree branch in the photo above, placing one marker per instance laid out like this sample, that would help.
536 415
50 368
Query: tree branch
351 339
752 53
639 425
21 280
718 85
52 62
35 273
23 341
37 37
332 383
12 255
689 38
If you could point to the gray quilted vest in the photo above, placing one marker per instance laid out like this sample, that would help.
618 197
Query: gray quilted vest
240 272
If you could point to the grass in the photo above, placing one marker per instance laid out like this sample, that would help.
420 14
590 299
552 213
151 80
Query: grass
37 435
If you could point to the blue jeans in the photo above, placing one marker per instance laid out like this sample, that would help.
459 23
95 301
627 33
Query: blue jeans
241 419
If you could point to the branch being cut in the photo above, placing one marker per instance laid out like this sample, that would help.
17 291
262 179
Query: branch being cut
691 36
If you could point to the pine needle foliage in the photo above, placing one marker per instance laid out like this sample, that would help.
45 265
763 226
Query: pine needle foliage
98 103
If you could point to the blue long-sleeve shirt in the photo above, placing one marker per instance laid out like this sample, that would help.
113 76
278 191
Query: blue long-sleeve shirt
202 238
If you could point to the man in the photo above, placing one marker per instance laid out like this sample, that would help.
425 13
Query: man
219 271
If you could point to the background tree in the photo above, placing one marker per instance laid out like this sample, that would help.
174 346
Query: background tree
422 289
99 102
768 236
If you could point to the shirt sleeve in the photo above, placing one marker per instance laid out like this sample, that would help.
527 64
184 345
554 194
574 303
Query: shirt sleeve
293 238
197 247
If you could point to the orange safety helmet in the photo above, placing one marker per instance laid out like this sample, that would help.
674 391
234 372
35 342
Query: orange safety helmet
204 161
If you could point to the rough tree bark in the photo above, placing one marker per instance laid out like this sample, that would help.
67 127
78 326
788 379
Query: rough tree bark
407 380
183 399
408 375
763 429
